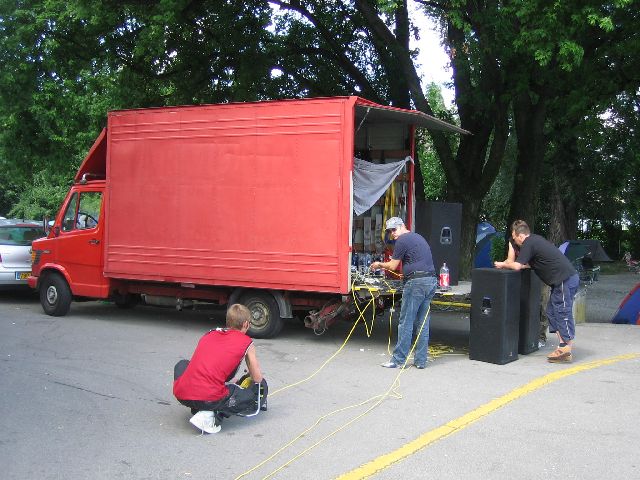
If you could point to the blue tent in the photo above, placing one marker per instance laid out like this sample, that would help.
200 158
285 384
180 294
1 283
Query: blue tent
629 310
484 234
483 229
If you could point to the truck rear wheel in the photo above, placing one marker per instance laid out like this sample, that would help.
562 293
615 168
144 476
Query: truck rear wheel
55 295
265 314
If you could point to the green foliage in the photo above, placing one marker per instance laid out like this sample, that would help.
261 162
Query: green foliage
388 6
42 199
555 33
498 248
64 64
434 179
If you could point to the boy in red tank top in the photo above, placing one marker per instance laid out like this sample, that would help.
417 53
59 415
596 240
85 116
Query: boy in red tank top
202 384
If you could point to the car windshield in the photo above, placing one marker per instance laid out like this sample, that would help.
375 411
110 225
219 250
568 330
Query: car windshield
19 234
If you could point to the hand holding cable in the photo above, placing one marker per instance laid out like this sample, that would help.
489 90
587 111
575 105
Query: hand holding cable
389 266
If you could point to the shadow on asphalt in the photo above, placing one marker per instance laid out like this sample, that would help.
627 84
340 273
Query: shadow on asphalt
447 328
18 295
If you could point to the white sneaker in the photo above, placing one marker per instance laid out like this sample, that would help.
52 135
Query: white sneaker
205 420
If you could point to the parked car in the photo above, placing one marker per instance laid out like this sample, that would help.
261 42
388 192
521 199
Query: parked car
15 250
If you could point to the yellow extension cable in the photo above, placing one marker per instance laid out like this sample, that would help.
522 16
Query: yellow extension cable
391 391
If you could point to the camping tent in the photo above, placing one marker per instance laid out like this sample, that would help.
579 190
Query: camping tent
629 310
484 235
483 253
579 248
483 229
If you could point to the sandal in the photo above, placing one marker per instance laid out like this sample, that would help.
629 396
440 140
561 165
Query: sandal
560 355
564 358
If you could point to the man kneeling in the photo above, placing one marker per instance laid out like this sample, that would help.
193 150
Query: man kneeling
202 384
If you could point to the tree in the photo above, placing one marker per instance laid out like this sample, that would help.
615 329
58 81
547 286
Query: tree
582 52
606 152
64 64
515 65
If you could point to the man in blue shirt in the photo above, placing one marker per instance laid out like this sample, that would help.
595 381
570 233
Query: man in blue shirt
420 284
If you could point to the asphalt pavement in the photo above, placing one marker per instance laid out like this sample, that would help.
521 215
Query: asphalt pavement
89 396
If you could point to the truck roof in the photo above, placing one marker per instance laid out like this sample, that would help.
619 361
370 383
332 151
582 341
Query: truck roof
94 165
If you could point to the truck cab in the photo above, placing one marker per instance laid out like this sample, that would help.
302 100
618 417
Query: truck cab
69 261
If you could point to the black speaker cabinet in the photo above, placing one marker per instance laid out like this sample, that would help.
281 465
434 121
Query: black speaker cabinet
495 315
440 224
530 291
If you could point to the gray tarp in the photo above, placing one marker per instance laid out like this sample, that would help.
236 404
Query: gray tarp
371 180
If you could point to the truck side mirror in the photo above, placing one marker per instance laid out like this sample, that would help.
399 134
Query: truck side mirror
45 225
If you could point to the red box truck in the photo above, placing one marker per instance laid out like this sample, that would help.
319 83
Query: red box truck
242 202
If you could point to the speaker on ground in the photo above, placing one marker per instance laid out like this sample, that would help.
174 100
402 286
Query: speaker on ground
495 315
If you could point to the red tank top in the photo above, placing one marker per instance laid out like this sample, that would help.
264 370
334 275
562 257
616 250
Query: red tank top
215 359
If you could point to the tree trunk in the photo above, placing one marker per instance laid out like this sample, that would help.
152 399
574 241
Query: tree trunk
563 218
529 123
470 218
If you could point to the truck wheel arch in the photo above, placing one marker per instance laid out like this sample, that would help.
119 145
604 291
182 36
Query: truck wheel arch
49 270
283 304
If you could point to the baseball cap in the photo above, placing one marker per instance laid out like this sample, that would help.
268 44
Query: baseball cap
394 222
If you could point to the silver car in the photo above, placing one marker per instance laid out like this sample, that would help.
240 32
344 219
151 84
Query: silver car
15 250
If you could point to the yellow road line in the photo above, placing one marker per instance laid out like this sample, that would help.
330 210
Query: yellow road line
464 421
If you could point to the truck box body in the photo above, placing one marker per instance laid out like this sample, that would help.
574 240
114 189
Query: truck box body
257 195
233 202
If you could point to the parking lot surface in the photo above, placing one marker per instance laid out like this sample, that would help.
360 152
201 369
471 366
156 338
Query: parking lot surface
89 396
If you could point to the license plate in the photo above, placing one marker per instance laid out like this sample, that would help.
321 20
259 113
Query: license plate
22 275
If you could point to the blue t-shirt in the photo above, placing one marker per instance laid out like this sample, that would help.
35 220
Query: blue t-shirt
414 252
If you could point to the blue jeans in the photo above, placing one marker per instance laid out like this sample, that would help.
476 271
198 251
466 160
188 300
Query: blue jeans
560 307
414 312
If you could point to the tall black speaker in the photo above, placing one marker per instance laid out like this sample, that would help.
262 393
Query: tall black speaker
530 291
495 315
440 224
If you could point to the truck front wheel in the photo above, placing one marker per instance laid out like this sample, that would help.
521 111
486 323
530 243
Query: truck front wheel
55 295
265 314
